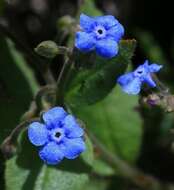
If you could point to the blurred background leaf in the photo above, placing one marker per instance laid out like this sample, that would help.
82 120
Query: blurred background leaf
17 86
89 8
1 6
150 47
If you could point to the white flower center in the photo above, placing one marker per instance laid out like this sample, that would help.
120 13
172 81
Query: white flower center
100 32
57 135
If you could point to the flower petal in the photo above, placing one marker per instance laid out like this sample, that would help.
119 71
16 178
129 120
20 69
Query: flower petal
146 63
107 21
84 41
148 79
72 128
51 154
125 79
72 148
132 87
37 134
153 68
116 32
107 48
87 23
53 117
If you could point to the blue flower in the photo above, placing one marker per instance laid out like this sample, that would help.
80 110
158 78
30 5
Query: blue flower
131 82
101 33
58 137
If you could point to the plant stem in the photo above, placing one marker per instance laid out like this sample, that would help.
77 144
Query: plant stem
51 89
62 77
8 146
161 87
142 180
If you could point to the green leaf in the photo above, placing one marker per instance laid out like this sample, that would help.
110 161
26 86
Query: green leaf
27 172
120 184
115 122
44 178
88 155
88 7
97 184
93 84
17 86
107 184
150 47
102 168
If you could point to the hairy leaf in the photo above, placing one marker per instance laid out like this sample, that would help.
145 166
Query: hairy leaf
93 84
116 123
27 172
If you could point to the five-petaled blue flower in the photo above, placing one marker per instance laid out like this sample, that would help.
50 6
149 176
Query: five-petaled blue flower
60 136
131 82
101 33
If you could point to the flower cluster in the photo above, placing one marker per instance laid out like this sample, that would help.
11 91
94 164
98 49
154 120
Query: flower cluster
101 33
131 82
58 137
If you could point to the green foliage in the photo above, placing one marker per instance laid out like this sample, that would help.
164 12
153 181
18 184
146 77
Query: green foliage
27 172
151 47
88 7
90 92
96 184
93 84
43 178
153 51
92 81
88 155
17 85
102 168
116 123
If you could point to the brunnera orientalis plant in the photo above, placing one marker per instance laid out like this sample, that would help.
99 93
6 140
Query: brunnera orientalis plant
83 126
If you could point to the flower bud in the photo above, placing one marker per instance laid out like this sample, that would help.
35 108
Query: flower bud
48 49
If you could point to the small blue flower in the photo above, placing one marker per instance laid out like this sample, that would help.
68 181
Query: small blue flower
131 82
58 137
101 33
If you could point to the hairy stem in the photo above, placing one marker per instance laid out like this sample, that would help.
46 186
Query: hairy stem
61 81
161 87
8 146
45 90
142 180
